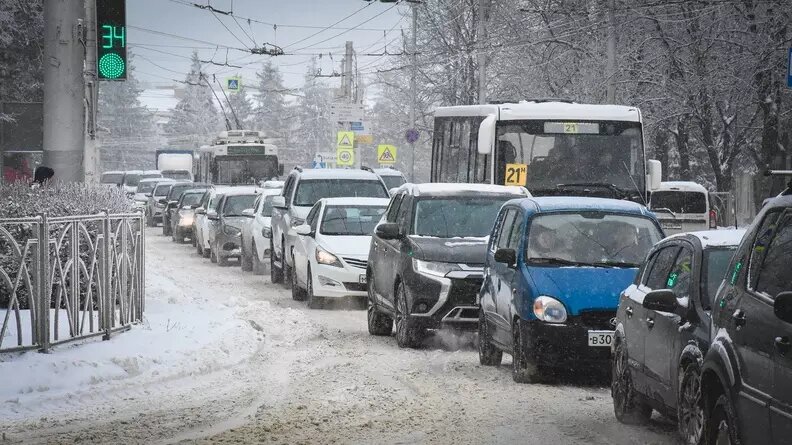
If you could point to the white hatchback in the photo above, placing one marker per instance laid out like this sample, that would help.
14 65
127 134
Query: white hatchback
331 253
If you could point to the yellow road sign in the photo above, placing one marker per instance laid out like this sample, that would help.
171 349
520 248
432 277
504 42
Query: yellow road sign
364 139
516 174
345 156
346 139
386 154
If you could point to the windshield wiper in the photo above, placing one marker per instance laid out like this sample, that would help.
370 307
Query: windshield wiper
553 260
610 263
664 209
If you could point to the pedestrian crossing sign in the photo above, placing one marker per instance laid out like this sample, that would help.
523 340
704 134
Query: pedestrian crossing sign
386 154
346 139
232 83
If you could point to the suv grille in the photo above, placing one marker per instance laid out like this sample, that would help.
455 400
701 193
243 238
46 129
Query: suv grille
464 292
356 263
596 319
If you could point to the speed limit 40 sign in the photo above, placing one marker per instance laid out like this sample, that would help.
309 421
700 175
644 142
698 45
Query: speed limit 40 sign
516 174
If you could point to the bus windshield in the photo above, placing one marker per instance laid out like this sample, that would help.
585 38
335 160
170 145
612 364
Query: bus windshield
244 170
609 153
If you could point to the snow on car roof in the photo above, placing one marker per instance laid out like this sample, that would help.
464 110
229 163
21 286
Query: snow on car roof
336 173
575 203
545 110
686 186
157 180
356 201
387 172
243 190
715 238
441 188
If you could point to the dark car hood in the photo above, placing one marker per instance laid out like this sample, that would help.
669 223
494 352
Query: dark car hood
582 288
450 250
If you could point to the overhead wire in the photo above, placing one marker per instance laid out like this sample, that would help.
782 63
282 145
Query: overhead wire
344 32
328 27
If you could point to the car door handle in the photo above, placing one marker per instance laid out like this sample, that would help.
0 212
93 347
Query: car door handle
650 322
782 344
629 312
739 318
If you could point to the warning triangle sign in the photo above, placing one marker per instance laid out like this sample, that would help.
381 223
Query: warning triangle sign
345 140
386 154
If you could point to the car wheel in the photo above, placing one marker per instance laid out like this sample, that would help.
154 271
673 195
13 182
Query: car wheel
378 323
165 227
198 246
407 336
149 220
245 261
489 355
222 261
287 273
524 370
722 423
690 405
276 274
192 239
298 294
212 254
258 266
627 403
314 302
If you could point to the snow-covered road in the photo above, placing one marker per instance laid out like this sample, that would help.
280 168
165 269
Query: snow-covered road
225 356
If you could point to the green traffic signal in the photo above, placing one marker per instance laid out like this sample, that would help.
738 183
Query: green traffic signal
111 66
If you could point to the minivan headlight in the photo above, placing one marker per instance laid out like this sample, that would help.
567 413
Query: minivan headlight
549 309
434 268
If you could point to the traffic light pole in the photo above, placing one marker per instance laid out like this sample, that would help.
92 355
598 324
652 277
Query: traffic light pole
64 89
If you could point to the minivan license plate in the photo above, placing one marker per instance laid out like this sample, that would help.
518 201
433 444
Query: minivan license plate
362 279
600 338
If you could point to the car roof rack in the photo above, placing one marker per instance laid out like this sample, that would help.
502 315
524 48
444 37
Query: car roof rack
298 168
367 168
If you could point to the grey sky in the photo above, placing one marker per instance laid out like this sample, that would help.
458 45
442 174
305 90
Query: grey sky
176 17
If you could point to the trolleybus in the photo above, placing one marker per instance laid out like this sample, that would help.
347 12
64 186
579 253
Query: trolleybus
239 157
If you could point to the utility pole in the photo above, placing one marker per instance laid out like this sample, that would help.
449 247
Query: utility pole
348 86
413 86
64 88
91 155
610 96
481 55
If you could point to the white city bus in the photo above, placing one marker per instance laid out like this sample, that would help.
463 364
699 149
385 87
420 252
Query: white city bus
552 147
239 157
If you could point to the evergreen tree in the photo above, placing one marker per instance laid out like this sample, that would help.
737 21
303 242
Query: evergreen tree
314 129
127 130
270 112
239 104
195 119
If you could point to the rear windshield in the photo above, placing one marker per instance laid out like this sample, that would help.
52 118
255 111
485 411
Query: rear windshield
189 199
680 202
456 217
146 187
716 261
176 174
351 220
177 190
131 179
162 190
311 190
112 178
235 205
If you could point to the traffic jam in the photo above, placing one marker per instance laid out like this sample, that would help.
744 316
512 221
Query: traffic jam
543 230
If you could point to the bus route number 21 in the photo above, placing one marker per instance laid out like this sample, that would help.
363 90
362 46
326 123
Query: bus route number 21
516 174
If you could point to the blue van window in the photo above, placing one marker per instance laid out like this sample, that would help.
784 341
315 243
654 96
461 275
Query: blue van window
506 228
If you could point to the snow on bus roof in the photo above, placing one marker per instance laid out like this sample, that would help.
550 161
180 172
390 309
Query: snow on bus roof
546 110
685 186
448 188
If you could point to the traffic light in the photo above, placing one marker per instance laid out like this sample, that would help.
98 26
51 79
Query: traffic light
111 49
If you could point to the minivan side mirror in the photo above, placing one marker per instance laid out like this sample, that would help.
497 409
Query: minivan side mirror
388 231
506 256
664 300
279 202
212 214
782 306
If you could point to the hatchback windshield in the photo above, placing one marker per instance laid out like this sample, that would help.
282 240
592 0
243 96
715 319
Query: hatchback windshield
456 217
592 238
235 205
131 179
162 190
716 262
392 181
146 187
311 190
112 178
350 220
189 199
680 202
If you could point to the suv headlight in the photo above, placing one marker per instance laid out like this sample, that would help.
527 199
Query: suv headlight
549 309
231 230
325 257
186 219
434 268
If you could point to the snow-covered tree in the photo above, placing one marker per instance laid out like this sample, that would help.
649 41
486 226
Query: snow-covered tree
195 119
271 110
126 129
21 51
239 107
315 132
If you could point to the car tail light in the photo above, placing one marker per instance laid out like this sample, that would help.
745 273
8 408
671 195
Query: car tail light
713 219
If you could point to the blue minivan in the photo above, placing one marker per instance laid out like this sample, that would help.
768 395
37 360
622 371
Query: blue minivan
554 270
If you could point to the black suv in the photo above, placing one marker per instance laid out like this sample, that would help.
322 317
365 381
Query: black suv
426 258
663 329
172 200
747 373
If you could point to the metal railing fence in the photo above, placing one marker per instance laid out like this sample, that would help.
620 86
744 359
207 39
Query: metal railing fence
87 279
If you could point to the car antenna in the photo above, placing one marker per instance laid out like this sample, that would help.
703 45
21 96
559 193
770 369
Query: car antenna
635 185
